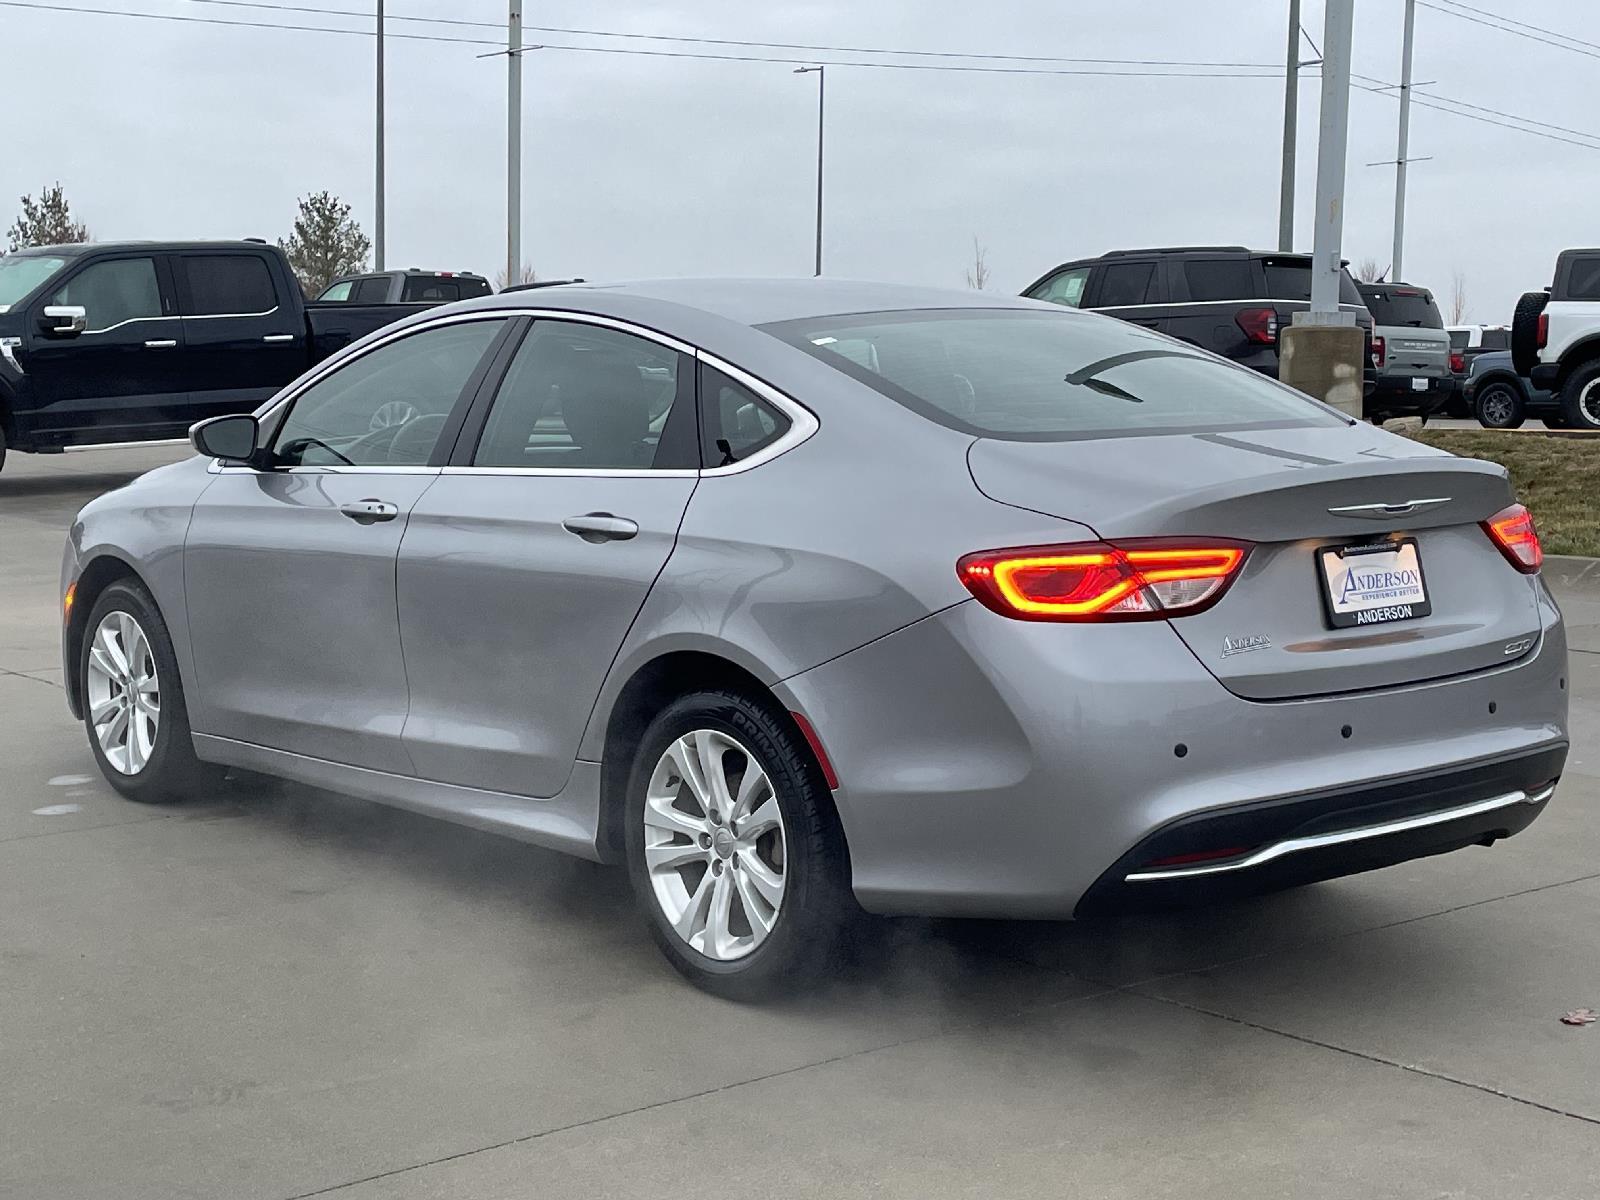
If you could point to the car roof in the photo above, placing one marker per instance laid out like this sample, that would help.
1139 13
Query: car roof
75 248
752 301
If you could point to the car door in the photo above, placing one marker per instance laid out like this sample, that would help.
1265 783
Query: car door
524 566
289 570
122 377
1128 288
242 339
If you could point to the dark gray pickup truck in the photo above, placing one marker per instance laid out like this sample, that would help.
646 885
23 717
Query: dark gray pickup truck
136 341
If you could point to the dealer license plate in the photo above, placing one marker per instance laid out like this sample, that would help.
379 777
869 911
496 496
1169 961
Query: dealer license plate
1373 584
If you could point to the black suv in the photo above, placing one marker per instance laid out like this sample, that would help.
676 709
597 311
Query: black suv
1226 299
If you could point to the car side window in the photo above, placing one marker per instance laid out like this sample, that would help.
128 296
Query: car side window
735 423
114 292
1064 287
1218 279
1124 284
389 406
439 291
583 397
1583 281
372 290
338 292
228 285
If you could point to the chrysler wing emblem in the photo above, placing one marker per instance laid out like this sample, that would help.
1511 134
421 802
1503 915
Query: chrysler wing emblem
1376 512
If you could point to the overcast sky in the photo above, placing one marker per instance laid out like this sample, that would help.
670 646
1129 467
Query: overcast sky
642 167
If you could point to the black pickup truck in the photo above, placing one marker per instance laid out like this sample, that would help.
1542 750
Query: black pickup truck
136 341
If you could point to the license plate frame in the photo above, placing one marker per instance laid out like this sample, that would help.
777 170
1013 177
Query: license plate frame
1402 600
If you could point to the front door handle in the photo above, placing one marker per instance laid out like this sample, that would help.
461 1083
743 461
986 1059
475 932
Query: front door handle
278 337
369 511
161 344
601 527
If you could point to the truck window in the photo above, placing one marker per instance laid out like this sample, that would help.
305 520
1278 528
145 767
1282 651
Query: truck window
1219 279
237 285
436 291
1290 279
1583 281
1125 284
114 292
1403 306
339 291
1497 339
374 289
21 273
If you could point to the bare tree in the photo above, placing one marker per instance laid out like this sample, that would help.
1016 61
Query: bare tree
326 242
503 280
1458 298
46 222
978 272
1368 271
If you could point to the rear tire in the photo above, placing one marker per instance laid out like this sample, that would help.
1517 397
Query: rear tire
133 707
707 873
1580 397
1500 406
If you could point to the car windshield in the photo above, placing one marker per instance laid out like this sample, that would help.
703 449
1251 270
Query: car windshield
21 273
1046 376
1403 306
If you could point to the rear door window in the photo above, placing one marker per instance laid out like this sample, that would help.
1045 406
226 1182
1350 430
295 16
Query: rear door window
372 290
1583 280
1219 278
1125 284
228 285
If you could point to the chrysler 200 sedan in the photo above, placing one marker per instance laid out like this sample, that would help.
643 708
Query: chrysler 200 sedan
806 597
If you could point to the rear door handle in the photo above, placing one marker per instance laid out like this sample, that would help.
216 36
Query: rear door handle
161 344
601 527
278 337
369 511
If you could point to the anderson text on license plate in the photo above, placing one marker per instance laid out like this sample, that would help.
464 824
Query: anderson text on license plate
1373 584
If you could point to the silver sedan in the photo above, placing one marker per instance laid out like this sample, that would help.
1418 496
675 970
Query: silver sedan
806 597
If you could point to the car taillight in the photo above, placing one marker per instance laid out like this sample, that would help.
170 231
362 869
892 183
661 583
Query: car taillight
1458 362
1511 529
1138 579
1379 351
1260 325
1542 339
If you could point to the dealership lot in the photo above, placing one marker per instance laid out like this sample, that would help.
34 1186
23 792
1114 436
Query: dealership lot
281 993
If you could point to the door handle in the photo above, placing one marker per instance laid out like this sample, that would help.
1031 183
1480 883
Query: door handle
369 511
161 344
278 337
601 527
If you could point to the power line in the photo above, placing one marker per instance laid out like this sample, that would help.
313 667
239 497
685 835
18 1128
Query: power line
146 16
1522 24
1378 88
1508 26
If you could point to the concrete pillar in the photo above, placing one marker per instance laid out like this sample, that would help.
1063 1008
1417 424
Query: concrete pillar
1324 361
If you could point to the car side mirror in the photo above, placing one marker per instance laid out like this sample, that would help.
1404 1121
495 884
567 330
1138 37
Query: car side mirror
64 320
231 438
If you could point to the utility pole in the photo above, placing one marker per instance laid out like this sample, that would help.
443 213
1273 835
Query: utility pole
1396 274
377 240
1291 123
822 74
514 143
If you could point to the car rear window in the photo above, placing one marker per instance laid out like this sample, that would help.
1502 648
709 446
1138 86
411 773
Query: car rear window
1047 376
1459 339
1290 279
1497 339
1403 306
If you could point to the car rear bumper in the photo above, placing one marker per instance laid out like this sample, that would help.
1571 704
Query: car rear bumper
990 767
1395 393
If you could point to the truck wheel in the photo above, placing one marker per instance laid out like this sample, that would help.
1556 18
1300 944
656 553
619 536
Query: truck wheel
1580 397
1500 407
1525 331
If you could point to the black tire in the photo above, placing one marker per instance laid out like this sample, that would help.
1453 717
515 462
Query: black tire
1580 396
1499 405
172 772
817 906
2 446
1555 421
1525 331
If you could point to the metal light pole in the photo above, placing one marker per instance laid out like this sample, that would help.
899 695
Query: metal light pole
377 240
1396 274
821 73
1332 144
1291 122
514 143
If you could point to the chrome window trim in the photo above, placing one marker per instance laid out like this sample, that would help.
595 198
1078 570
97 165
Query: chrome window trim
129 321
218 467
570 472
228 316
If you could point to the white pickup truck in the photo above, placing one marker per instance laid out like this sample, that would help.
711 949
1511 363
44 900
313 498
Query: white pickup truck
1555 338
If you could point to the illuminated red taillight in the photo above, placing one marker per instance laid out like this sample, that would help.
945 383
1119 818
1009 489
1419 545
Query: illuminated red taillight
1458 362
1512 530
1132 580
1542 339
1260 325
1379 352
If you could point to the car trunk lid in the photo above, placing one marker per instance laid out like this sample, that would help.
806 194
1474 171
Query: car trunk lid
1293 493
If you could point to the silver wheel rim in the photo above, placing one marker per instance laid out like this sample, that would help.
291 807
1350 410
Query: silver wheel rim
124 692
1589 402
715 845
1497 406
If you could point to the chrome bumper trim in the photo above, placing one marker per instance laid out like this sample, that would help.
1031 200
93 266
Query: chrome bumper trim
1344 836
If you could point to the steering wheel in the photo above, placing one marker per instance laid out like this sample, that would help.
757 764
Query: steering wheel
414 441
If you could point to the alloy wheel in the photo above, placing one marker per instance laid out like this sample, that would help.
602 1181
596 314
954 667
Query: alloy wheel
124 692
1589 403
715 845
1497 407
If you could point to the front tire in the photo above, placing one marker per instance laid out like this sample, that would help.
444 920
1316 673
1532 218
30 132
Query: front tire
1499 406
734 850
1580 397
133 707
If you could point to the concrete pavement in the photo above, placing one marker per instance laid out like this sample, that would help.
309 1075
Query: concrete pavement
280 993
